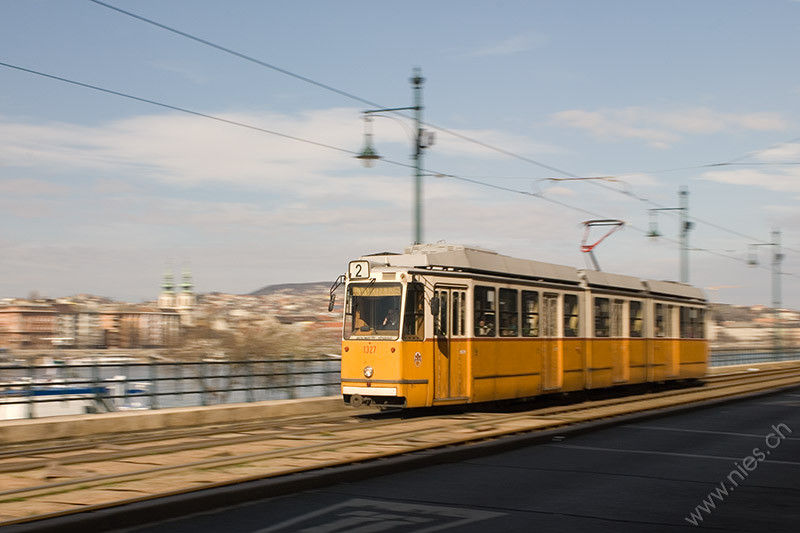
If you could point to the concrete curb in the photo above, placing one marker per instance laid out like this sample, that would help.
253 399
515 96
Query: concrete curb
21 431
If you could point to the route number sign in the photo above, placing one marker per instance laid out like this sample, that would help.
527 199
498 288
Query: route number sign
358 269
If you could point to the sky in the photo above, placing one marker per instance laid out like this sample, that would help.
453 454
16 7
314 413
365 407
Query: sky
242 168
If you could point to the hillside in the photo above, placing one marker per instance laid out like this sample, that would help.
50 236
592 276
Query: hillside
292 287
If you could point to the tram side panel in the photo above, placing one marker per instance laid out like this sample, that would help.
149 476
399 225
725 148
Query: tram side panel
693 346
507 356
694 358
638 360
574 363
484 370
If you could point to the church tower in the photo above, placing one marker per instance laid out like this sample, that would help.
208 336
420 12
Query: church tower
166 300
186 298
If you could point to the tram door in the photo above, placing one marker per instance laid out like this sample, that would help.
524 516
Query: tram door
450 353
551 366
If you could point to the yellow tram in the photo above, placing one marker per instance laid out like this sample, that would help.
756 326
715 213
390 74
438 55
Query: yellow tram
445 324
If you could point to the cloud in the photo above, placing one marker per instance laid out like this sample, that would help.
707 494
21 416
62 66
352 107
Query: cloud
661 129
187 150
783 180
454 146
31 187
612 125
192 74
512 45
786 152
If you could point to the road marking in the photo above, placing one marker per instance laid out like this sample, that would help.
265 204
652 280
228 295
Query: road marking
671 454
661 428
360 515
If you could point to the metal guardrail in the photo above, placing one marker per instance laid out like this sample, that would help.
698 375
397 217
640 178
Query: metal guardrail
155 384
104 386
749 355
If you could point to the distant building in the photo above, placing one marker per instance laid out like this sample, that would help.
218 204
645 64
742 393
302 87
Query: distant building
141 327
27 325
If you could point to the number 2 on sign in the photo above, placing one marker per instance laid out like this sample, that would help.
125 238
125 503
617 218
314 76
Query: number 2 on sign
359 269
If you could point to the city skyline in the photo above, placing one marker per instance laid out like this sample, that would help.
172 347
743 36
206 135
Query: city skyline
101 190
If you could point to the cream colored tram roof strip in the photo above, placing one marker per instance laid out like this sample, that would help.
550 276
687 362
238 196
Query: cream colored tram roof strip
473 259
467 258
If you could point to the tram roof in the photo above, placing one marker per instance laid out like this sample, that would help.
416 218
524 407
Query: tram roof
616 281
470 259
674 288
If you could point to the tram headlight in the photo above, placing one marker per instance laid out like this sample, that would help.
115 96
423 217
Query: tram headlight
368 371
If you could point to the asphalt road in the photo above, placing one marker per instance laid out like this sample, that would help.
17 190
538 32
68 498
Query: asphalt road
734 467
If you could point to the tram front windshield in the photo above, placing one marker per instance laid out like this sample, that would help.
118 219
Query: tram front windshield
373 311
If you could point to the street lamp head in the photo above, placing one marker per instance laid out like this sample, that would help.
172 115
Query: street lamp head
368 155
417 80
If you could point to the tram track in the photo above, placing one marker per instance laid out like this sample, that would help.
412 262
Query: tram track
53 481
260 427
246 431
101 442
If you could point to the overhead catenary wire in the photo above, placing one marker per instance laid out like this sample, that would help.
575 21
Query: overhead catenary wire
235 53
320 84
176 108
321 145
448 131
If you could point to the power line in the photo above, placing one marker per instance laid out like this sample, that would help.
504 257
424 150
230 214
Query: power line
320 84
237 54
756 152
176 108
442 128
276 133
323 145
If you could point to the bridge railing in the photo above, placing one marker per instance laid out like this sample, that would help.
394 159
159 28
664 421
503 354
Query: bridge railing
749 355
94 386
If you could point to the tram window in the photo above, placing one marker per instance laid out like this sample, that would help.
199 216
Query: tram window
659 320
602 317
485 311
663 320
700 328
373 310
530 314
686 327
459 311
636 318
441 320
570 315
509 321
691 323
414 320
